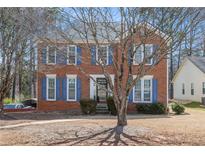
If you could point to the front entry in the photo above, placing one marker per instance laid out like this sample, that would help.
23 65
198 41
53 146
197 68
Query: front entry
101 93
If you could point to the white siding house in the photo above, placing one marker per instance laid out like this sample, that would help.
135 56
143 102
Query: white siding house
189 80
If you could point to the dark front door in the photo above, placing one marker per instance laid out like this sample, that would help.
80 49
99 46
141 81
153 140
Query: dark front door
101 92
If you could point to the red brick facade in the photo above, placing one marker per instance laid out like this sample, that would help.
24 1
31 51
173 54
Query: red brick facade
159 72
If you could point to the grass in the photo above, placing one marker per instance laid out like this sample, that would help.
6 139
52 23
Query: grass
195 105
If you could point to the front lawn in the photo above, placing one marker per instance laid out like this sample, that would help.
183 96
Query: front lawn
195 105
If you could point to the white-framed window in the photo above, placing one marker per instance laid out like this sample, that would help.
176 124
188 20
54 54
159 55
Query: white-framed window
141 52
71 87
203 87
51 55
147 90
138 91
142 91
138 56
183 89
72 54
102 54
51 87
148 50
192 88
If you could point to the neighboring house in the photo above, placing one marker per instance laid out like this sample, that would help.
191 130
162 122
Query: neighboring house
189 80
61 85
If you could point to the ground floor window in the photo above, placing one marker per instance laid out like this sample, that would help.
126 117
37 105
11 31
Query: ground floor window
203 87
71 88
192 88
183 88
142 90
51 88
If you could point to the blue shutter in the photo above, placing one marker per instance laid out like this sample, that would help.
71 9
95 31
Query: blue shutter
110 56
154 90
93 55
78 89
43 88
58 88
44 52
79 55
64 89
130 98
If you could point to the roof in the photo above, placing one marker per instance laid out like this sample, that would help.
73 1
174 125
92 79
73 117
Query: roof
104 33
198 62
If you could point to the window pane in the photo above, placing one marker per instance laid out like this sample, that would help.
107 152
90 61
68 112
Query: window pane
102 54
51 93
71 55
137 94
203 87
147 90
51 55
148 52
51 88
71 88
138 55
51 83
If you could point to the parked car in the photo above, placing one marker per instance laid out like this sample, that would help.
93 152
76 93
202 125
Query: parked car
13 106
30 102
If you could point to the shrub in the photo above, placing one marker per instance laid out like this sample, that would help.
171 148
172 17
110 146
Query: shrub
7 101
111 106
88 106
156 108
178 108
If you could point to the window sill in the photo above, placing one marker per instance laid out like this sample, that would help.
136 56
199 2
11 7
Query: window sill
50 63
52 100
142 102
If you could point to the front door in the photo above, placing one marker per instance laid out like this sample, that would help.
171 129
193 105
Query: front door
101 87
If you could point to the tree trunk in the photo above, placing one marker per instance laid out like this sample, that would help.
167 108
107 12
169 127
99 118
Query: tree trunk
121 120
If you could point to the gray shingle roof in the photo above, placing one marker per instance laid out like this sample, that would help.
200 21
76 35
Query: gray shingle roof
199 62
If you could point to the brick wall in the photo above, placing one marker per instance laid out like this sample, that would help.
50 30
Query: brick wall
159 72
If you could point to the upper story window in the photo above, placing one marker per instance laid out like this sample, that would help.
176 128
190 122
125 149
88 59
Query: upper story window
102 54
192 88
72 54
143 51
51 55
51 88
183 88
203 87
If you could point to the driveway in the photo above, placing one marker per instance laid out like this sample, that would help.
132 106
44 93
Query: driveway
64 129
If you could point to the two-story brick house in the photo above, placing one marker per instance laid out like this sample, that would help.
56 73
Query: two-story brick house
61 85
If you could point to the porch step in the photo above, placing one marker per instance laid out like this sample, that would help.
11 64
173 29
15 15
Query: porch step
102 108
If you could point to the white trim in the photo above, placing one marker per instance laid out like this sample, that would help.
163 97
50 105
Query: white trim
51 76
107 54
67 86
142 49
147 77
167 81
68 54
47 52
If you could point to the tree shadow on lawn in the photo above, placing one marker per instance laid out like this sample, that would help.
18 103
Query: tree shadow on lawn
108 140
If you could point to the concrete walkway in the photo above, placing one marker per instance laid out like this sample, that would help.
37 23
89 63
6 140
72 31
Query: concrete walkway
38 123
